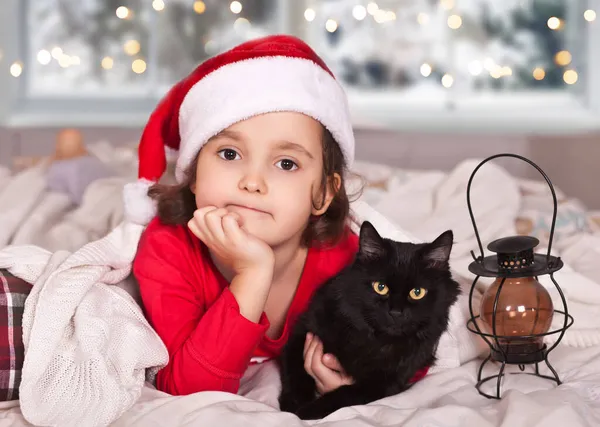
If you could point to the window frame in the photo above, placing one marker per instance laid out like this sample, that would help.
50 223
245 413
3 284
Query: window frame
549 113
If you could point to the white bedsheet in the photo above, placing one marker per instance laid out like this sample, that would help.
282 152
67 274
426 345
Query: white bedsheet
444 399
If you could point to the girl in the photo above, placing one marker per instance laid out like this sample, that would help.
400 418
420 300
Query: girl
257 219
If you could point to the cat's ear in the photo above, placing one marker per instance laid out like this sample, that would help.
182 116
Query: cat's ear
371 245
437 253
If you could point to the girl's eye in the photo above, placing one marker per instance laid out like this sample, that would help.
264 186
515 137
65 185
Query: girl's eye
287 165
229 154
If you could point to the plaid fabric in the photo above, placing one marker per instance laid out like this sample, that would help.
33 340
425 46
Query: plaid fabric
13 292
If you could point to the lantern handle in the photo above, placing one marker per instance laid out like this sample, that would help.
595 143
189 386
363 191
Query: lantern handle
471 210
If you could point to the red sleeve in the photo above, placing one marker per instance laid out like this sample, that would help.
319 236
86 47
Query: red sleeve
209 349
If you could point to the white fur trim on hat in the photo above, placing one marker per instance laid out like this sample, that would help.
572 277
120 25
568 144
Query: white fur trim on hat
138 207
243 89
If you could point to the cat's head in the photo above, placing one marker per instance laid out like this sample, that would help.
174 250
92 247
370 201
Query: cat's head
403 288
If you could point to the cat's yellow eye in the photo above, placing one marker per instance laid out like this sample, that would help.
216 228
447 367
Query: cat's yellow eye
417 293
381 288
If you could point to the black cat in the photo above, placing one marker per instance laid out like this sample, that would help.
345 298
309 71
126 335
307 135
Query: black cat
382 317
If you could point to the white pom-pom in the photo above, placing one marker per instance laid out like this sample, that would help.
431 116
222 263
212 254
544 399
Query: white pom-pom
139 208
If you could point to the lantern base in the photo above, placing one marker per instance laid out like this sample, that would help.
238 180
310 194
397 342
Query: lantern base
498 377
519 353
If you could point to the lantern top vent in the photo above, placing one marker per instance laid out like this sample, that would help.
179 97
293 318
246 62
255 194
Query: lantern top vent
514 252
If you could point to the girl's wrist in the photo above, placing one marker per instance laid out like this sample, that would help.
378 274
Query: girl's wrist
260 273
262 268
251 287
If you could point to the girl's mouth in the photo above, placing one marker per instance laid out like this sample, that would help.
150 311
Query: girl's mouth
249 208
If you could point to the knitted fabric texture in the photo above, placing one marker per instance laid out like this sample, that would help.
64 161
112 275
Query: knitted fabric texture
87 344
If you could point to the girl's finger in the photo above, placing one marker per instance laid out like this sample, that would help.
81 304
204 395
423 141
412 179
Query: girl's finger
325 378
213 220
204 210
199 218
194 228
198 226
238 218
232 230
309 356
332 363
346 380
307 341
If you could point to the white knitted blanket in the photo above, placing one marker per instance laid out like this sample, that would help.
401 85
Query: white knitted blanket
87 343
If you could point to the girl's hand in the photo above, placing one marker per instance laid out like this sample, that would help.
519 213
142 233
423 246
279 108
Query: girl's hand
223 233
324 369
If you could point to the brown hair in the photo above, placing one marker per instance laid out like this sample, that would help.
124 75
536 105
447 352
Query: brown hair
176 203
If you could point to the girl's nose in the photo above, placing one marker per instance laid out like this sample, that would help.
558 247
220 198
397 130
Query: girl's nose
253 182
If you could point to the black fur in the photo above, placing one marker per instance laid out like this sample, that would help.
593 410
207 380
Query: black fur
381 341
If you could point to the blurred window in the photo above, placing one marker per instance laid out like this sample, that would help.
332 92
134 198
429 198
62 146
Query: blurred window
395 57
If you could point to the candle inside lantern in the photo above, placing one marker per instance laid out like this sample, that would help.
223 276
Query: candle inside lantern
524 307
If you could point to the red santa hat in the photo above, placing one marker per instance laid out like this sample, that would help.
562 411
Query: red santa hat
275 73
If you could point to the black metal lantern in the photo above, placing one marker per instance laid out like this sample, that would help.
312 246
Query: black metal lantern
516 311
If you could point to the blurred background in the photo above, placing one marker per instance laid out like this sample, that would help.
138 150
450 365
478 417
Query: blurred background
430 82
417 51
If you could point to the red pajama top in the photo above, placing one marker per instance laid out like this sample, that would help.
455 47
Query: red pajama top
188 302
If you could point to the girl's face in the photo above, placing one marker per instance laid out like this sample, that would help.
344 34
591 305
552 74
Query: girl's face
268 169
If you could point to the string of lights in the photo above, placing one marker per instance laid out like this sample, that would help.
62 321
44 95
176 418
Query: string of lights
139 65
